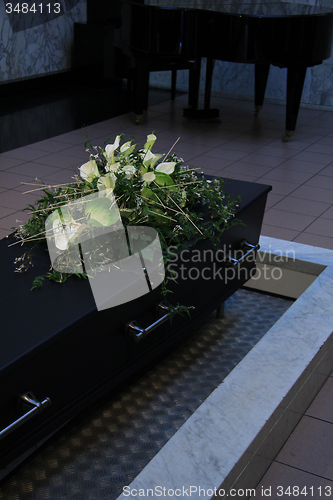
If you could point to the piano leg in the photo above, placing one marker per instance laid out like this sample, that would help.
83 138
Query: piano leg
194 84
193 112
141 88
260 81
209 82
295 81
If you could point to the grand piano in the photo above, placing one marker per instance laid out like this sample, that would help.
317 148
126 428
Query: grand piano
288 35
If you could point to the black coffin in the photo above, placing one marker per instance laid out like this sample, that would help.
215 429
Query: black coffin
58 350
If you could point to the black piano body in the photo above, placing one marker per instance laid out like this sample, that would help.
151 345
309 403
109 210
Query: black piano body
288 35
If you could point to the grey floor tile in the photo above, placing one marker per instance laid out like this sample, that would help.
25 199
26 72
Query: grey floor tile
322 406
4 212
49 145
3 233
60 160
313 193
34 170
309 448
9 180
302 166
288 220
279 232
280 152
61 176
280 187
217 164
16 200
322 181
6 162
25 154
321 227
285 175
327 170
249 169
13 220
313 240
328 214
273 200
324 159
282 481
300 206
321 148
261 159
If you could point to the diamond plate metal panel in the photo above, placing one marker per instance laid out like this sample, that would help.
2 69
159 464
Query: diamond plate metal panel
105 447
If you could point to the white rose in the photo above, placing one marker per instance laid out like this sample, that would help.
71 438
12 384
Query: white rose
129 170
112 167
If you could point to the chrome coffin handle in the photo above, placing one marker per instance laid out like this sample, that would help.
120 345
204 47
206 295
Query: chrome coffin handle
249 249
137 333
35 406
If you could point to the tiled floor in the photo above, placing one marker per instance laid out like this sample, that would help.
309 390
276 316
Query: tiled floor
305 463
300 208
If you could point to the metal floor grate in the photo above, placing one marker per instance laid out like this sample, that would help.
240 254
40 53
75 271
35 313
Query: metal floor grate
103 449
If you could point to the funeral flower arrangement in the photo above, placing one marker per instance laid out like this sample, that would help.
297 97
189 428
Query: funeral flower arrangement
150 189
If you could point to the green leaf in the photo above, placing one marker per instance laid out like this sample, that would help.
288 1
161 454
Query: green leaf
148 193
163 179
101 212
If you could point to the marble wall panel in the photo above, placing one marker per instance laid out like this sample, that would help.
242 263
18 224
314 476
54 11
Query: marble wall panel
42 49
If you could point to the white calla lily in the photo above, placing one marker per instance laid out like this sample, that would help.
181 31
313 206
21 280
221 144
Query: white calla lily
107 183
148 177
126 149
148 158
151 138
167 167
89 170
110 148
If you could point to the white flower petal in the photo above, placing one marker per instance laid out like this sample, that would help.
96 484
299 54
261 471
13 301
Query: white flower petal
112 167
107 182
110 148
151 138
167 167
129 170
149 177
89 170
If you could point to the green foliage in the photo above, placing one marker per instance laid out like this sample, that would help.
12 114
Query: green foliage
150 190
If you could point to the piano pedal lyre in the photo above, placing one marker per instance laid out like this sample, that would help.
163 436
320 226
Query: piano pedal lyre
289 133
